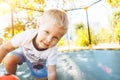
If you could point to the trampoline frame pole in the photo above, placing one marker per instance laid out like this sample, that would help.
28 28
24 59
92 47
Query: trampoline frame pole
12 21
89 35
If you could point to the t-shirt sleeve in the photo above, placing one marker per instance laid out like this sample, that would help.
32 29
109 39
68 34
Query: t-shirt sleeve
52 59
19 39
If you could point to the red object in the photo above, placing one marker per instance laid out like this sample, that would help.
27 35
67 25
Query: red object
9 77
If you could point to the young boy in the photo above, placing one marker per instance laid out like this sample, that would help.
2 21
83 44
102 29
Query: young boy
37 47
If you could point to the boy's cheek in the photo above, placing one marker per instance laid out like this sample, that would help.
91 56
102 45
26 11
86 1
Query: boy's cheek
53 44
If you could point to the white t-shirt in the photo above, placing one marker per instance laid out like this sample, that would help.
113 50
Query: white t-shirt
24 40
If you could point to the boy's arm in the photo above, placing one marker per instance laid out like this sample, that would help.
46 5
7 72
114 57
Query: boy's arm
4 49
52 72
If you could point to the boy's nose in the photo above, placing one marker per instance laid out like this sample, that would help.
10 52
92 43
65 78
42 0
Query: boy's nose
48 39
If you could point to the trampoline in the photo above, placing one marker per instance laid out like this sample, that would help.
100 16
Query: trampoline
82 65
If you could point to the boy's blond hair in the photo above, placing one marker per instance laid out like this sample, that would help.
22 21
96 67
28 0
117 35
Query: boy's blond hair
57 17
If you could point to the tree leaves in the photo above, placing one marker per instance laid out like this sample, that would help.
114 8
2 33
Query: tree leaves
114 3
116 24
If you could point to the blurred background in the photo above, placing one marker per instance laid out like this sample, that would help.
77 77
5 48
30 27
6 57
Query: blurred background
91 22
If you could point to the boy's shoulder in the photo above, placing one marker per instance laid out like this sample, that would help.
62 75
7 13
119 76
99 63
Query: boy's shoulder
23 38
31 31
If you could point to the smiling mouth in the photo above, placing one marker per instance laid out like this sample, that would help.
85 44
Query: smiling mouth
42 47
45 44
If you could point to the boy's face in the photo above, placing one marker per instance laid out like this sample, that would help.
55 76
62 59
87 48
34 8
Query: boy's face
48 35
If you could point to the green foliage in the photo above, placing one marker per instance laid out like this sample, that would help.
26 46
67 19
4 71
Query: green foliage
82 35
116 24
104 36
94 40
79 26
30 5
114 3
18 27
62 42
82 38
40 2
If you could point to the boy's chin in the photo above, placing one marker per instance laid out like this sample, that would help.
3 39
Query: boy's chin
41 49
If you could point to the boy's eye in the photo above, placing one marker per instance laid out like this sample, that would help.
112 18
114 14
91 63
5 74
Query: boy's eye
46 32
55 38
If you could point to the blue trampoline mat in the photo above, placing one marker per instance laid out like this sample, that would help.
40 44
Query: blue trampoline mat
81 65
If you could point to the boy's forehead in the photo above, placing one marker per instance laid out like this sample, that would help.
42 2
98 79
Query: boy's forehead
49 24
54 29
